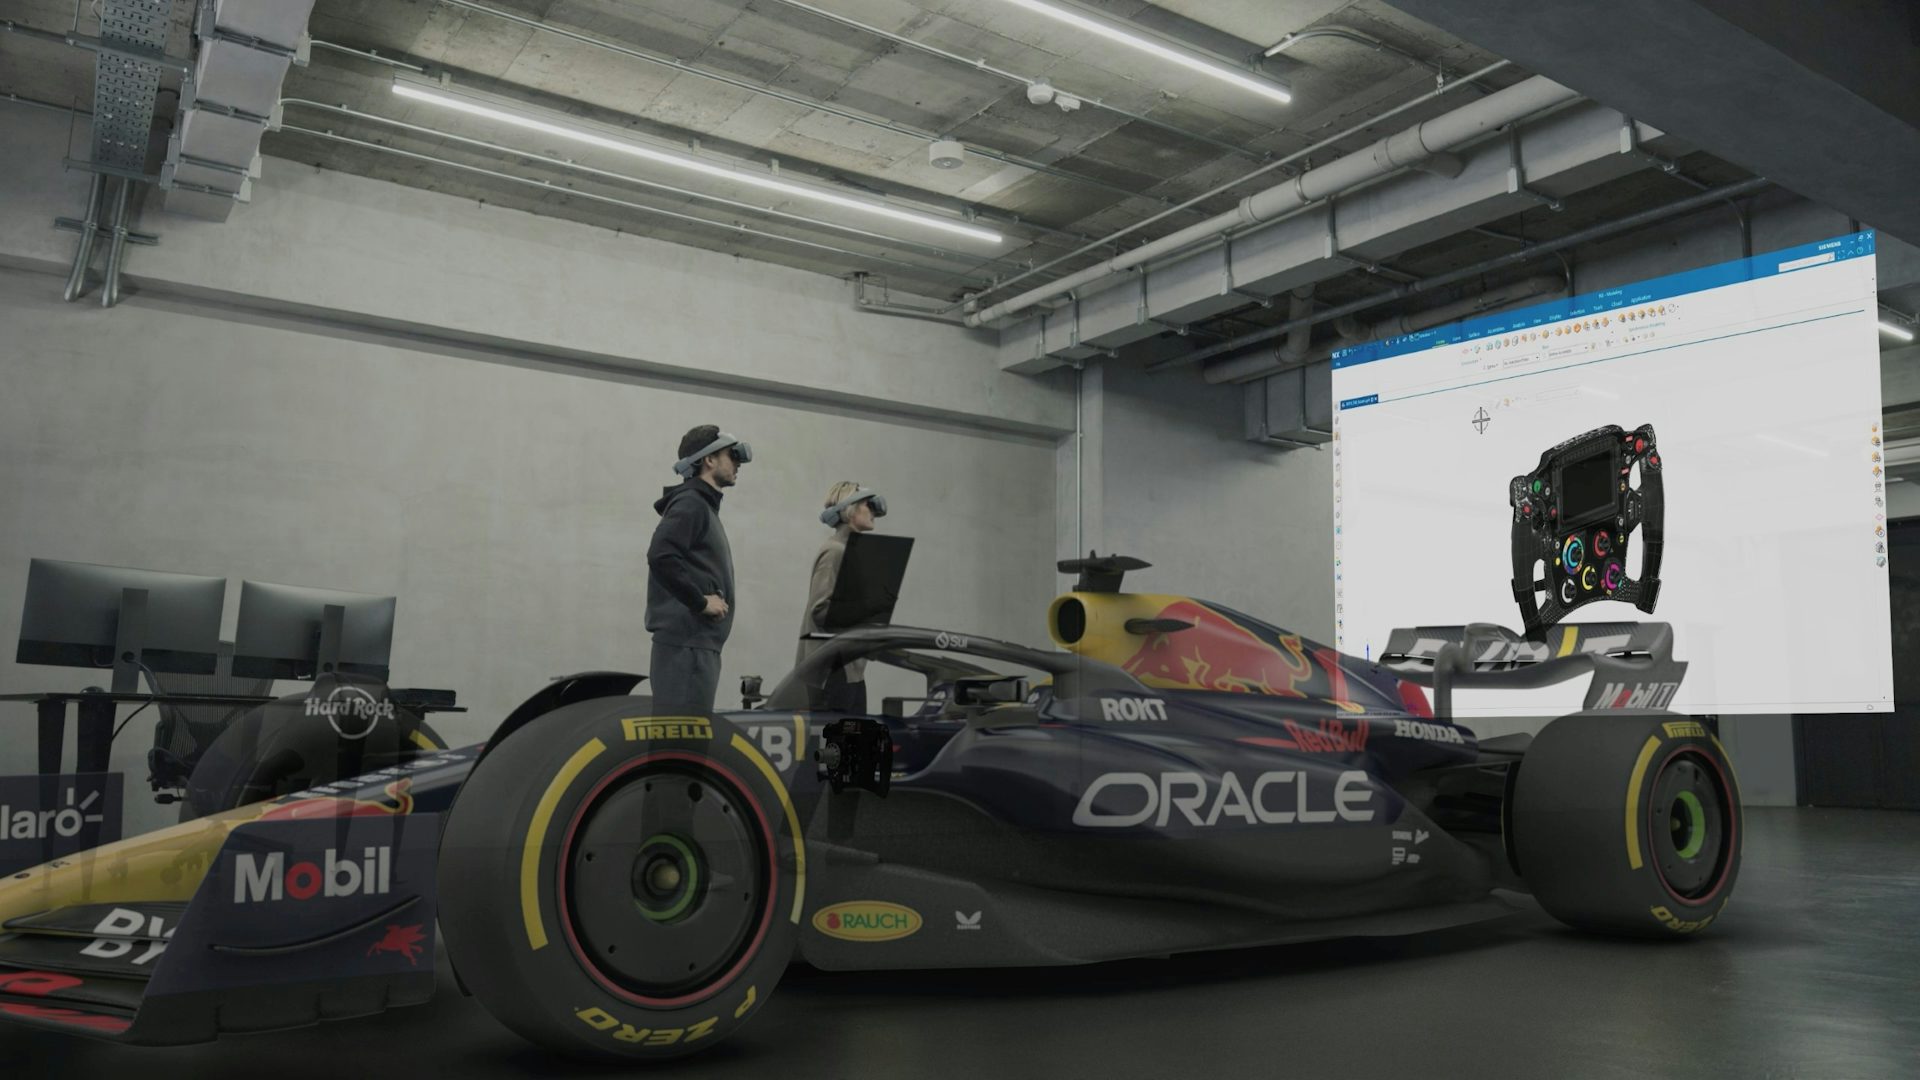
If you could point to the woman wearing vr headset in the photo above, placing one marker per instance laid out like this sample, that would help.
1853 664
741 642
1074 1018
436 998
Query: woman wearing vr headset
850 508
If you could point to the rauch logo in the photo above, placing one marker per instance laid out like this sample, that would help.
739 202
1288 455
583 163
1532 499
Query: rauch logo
866 920
257 879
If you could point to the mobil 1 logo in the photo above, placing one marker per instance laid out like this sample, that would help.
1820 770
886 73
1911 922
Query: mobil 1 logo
45 817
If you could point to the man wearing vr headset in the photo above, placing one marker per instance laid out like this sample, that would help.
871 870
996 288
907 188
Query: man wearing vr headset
690 574
850 508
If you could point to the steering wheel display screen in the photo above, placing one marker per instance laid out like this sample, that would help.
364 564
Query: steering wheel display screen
1587 489
1704 450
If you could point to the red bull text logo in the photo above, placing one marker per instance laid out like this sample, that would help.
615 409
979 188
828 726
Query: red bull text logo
1216 653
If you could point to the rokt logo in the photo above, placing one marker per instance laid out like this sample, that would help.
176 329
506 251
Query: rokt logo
65 821
866 920
1132 708
1187 792
353 704
257 879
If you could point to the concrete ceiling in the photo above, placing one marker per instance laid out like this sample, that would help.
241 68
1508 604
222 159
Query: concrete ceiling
1084 173
854 110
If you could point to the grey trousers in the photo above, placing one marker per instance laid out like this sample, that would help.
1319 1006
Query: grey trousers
683 681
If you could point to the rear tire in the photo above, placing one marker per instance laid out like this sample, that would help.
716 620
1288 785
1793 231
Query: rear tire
1628 822
620 886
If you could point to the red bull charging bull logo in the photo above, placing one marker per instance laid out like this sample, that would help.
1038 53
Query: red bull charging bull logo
1217 653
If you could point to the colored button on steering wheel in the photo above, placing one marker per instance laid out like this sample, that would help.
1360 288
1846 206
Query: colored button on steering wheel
1602 543
1613 577
1572 554
1586 579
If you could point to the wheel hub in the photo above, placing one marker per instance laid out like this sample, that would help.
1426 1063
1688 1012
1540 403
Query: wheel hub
665 881
1689 825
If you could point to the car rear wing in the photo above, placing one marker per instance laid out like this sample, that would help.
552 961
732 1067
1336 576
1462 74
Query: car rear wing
1631 663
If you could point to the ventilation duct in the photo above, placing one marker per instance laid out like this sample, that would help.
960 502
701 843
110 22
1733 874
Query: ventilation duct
243 52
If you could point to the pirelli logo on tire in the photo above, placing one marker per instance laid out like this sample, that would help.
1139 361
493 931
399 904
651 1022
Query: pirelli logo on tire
1685 729
639 728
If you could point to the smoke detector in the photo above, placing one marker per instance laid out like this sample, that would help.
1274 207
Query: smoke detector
947 154
1039 92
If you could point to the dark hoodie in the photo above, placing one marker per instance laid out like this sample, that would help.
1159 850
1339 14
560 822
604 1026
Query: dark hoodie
689 559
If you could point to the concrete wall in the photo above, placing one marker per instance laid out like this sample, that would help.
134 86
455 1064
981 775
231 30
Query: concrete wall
358 385
508 509
369 253
1171 480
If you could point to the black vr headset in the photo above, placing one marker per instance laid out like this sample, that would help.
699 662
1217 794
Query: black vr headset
831 515
689 466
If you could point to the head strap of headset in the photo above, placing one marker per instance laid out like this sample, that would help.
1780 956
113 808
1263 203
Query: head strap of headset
689 466
831 515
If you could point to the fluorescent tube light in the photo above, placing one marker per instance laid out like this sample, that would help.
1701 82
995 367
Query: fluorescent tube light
1270 90
683 161
1898 333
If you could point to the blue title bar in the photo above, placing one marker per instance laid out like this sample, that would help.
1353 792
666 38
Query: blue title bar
1785 261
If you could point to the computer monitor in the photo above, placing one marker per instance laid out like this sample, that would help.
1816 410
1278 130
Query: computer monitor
294 632
83 615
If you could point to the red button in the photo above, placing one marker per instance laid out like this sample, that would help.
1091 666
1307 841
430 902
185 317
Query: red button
1639 445
1555 512
1653 459
1526 509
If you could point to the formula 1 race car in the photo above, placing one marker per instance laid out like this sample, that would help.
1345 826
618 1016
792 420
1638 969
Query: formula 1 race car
1180 778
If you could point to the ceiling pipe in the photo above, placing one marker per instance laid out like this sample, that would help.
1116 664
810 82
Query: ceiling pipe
1303 152
77 277
1261 363
110 288
1347 33
99 45
591 196
571 165
1514 258
1409 147
1025 80
793 99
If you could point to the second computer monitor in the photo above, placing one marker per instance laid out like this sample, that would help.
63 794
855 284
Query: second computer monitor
295 632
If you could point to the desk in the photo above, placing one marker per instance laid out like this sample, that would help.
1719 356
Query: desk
94 743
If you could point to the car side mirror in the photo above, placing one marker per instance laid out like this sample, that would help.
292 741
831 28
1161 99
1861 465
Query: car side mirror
750 695
1007 691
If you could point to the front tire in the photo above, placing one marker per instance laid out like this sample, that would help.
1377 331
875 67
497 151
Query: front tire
622 886
1628 822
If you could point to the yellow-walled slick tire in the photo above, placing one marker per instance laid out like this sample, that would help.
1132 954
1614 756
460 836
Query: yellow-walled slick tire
619 885
1628 822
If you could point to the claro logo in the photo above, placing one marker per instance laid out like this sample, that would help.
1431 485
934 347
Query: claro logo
258 879
1282 797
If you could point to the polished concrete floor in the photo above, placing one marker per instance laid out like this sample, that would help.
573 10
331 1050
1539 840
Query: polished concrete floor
1814 972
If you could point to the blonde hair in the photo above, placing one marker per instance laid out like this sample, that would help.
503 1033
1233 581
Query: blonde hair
840 491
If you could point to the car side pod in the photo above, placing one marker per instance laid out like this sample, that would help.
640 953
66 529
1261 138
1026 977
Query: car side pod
1628 821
